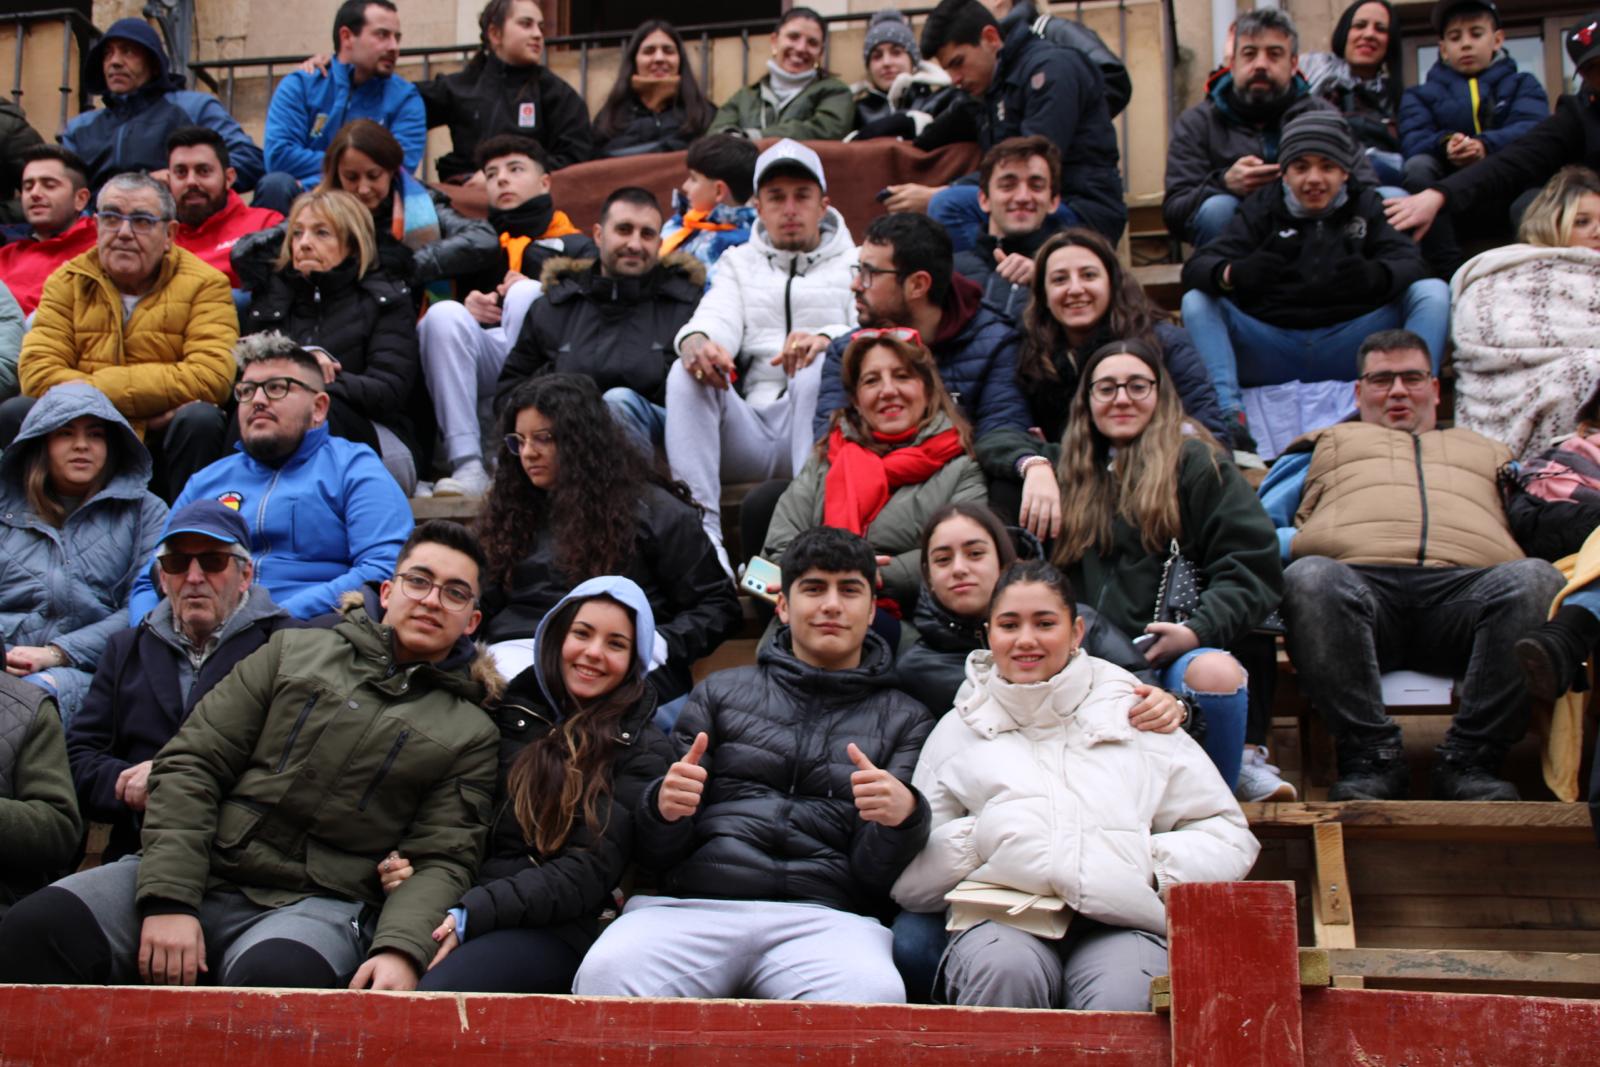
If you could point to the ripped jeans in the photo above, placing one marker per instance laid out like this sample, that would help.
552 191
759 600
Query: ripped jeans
1225 713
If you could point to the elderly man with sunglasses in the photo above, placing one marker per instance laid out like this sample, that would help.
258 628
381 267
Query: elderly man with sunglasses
324 516
271 809
147 323
1402 557
211 616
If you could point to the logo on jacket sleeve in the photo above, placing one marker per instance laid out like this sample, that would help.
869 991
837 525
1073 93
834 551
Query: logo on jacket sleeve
526 116
231 499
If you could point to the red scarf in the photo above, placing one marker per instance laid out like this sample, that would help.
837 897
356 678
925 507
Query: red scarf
859 481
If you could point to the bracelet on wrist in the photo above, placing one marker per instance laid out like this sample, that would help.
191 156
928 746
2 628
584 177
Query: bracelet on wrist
1026 463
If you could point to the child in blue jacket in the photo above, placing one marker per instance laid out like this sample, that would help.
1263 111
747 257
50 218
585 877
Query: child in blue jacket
1475 100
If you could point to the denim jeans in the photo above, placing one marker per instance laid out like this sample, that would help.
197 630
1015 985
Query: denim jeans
1211 218
1225 714
1349 623
955 207
277 191
919 941
644 421
1241 350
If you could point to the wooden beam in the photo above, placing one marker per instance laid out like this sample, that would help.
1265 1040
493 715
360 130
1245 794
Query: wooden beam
1457 965
1238 1004
1437 820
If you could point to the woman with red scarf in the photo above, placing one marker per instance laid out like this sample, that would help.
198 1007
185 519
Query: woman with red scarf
898 452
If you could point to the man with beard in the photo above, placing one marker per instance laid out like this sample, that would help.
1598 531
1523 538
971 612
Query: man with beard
613 319
55 190
1226 147
325 517
211 217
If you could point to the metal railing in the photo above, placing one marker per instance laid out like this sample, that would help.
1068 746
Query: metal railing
70 22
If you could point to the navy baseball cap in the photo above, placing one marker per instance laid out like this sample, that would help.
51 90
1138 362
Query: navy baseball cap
210 519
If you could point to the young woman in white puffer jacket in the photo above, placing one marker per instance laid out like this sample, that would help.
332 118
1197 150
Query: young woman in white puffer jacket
1038 783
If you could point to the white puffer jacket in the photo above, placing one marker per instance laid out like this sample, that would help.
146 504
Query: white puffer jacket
759 295
1046 788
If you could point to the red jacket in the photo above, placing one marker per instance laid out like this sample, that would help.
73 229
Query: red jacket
214 238
26 262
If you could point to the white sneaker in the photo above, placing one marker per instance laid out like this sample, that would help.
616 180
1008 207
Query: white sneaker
423 490
1260 780
1248 461
469 479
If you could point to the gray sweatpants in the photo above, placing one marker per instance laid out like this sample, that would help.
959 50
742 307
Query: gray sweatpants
1094 968
715 435
230 922
671 947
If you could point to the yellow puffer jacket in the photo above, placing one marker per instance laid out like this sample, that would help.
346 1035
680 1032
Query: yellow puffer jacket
177 346
1387 497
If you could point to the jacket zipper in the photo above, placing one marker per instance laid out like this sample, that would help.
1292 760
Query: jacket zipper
1422 493
261 519
288 746
788 314
388 762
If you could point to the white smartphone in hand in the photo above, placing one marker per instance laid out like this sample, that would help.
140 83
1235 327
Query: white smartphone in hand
762 578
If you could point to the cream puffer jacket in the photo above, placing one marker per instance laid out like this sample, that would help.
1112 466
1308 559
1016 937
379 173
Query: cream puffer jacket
1046 788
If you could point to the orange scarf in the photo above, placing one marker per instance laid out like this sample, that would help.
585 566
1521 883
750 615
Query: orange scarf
560 226
693 222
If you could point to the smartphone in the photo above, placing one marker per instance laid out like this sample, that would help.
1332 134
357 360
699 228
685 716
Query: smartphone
883 194
758 575
1144 641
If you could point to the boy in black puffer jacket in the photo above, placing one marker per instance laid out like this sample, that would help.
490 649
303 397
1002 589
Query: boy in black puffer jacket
781 830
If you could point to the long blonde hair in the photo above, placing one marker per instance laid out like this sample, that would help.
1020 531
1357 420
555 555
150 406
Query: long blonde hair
1138 484
917 359
1548 219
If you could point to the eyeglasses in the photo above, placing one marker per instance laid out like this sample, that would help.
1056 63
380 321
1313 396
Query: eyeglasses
1105 389
1383 380
870 273
275 388
515 442
140 222
210 562
456 596
894 333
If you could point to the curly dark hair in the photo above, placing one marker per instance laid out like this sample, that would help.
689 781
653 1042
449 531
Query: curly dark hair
592 510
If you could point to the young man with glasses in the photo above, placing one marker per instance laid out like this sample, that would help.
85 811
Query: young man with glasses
147 323
212 615
269 812
741 395
324 515
1403 558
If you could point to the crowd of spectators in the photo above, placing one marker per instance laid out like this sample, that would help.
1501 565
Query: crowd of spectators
1005 519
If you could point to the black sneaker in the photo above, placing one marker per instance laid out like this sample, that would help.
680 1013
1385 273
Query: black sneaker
1372 774
1457 777
1552 656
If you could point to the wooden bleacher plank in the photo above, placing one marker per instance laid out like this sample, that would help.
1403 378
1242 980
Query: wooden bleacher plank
1448 964
462 509
1438 820
1332 917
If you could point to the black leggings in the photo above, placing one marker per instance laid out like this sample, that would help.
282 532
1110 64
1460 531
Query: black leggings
507 961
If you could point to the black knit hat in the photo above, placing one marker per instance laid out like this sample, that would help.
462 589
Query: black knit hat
889 27
1322 132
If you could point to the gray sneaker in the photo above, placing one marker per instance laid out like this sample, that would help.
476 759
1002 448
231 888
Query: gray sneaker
469 479
1260 780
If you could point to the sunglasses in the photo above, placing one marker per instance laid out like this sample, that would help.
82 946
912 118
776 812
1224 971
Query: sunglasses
894 333
210 562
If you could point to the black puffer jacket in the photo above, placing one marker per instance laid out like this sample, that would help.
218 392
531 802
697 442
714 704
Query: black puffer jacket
641 131
565 891
778 819
694 601
617 331
367 324
933 669
1305 263
489 98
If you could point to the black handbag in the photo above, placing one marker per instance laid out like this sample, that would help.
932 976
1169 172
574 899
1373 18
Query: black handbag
1178 596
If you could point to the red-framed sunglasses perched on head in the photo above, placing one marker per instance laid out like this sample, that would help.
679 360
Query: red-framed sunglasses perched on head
894 333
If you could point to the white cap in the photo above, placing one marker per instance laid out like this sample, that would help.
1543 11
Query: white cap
792 152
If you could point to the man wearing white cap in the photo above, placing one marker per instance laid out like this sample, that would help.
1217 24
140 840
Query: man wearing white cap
748 358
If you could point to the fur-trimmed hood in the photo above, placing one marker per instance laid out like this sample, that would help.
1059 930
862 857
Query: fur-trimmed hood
572 269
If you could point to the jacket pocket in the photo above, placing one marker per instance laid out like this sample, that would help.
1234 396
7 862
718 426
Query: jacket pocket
236 824
383 769
294 733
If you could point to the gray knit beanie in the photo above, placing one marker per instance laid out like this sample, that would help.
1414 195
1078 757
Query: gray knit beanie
889 27
1321 132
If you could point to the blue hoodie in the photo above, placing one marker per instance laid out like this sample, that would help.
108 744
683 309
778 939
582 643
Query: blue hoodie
330 519
308 109
626 592
130 133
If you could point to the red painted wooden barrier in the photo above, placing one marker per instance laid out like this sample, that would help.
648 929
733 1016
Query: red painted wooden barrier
1235 1001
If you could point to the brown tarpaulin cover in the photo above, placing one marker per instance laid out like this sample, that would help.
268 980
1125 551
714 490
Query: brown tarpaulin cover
855 172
